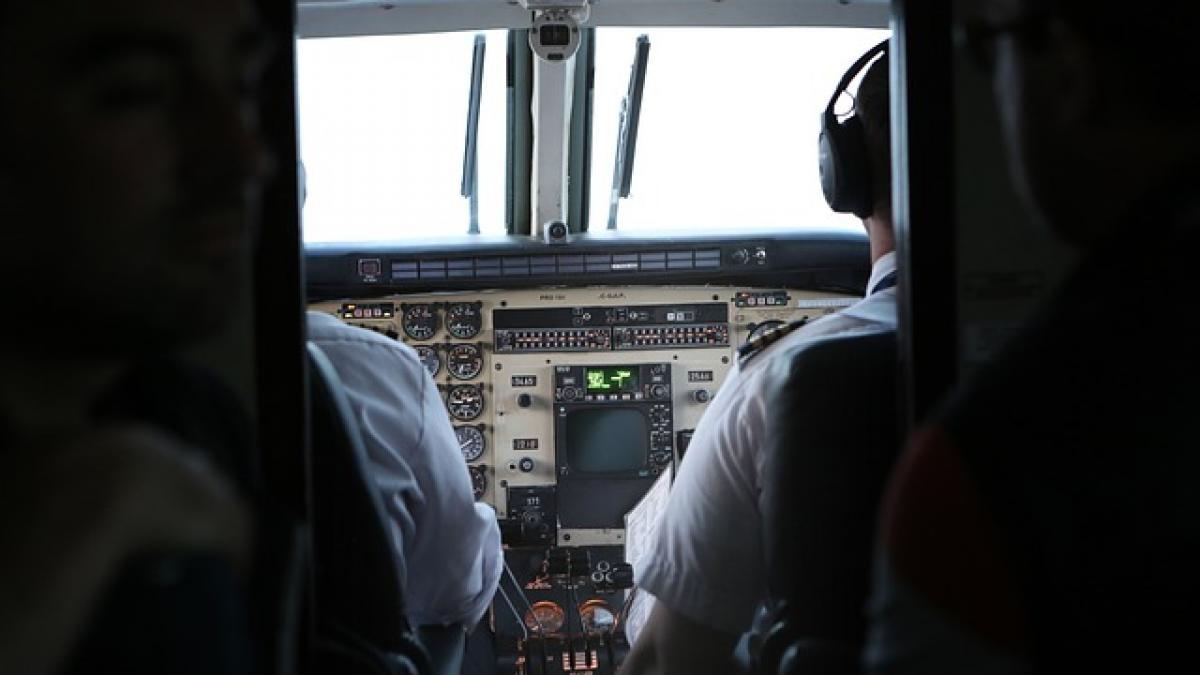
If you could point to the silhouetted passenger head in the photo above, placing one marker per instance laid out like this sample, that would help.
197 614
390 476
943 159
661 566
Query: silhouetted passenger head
1096 100
130 162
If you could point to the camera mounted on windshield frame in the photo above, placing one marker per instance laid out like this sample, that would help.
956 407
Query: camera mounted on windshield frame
554 34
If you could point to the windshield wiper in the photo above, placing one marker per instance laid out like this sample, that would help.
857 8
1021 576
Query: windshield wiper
627 128
470 175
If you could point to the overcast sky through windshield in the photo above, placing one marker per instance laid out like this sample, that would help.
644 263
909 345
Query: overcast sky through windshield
727 140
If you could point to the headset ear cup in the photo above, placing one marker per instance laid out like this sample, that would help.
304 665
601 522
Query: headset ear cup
827 159
845 174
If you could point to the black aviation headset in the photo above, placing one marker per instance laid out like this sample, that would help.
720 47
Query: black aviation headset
845 169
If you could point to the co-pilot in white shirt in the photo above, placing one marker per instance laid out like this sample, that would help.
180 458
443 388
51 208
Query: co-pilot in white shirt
450 544
709 563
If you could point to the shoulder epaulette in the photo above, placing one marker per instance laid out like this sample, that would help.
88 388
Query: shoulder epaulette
760 343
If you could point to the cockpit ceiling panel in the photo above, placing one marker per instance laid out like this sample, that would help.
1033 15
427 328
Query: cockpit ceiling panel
334 18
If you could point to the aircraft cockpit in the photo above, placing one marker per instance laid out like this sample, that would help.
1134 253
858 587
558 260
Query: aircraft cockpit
584 337
577 213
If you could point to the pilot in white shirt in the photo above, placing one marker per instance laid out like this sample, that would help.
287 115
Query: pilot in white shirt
709 564
707 575
450 544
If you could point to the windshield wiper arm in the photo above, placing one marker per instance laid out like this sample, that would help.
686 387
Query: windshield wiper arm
627 129
470 175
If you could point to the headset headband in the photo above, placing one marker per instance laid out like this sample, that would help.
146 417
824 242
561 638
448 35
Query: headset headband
854 71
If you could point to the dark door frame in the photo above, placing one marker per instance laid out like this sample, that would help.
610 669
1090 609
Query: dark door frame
279 283
923 185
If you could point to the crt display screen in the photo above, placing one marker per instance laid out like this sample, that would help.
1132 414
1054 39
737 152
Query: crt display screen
606 441
611 379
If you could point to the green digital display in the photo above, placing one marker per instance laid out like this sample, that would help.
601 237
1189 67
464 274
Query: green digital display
615 378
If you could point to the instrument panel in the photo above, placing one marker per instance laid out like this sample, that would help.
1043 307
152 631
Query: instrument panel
548 389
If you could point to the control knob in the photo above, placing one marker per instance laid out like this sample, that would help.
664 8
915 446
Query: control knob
525 464
659 391
621 575
525 400
570 393
531 522
701 396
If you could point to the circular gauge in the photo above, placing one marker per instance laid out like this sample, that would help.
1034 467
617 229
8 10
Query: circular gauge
478 481
545 617
465 402
763 328
471 442
419 322
430 359
463 320
464 361
597 616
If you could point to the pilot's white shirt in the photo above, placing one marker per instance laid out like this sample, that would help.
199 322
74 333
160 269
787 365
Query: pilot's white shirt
449 543
708 563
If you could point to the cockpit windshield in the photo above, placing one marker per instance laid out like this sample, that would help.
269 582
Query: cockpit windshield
727 138
728 130
382 123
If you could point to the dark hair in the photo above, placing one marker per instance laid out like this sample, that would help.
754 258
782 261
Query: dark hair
872 105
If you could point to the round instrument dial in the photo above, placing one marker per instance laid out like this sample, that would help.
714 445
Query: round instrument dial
429 359
464 320
419 322
465 402
763 328
471 442
597 616
478 481
545 617
464 361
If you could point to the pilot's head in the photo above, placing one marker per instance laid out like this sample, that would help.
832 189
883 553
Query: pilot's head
872 106
130 162
1096 99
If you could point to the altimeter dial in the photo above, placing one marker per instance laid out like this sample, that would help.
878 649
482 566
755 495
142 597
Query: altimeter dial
419 322
465 402
471 442
464 320
464 361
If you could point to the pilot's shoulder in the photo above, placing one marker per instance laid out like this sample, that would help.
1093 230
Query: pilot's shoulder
753 348
331 333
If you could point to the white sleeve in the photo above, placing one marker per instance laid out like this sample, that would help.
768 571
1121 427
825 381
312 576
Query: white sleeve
709 565
451 544
455 551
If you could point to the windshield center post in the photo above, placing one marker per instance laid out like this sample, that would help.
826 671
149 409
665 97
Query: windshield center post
554 38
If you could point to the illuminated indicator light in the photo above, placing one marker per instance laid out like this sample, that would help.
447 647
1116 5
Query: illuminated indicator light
604 379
